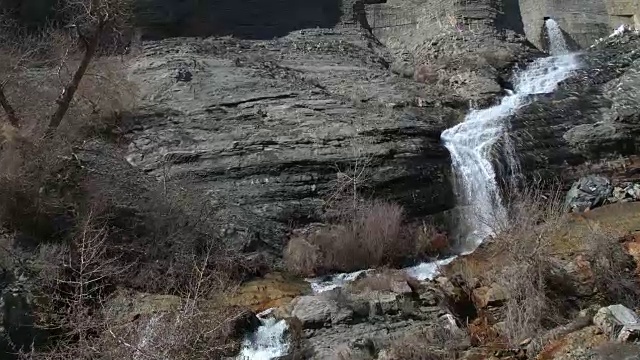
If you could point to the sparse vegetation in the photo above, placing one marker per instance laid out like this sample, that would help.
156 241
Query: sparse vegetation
373 235
363 233
613 269
529 262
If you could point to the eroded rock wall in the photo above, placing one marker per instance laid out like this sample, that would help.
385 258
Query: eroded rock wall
624 12
583 21
407 24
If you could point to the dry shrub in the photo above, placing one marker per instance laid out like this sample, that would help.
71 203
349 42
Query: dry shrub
183 336
522 254
371 237
429 240
40 176
76 280
612 268
527 308
435 342
36 67
35 185
522 261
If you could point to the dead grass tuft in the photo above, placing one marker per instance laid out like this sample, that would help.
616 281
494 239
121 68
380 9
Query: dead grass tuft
613 269
523 260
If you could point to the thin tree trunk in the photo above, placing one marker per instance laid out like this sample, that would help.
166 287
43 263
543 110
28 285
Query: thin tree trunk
11 112
65 98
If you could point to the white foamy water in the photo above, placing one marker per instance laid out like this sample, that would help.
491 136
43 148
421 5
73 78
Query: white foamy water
423 271
471 143
428 271
557 42
267 342
331 282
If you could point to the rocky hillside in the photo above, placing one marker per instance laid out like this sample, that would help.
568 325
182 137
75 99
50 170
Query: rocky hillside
591 123
259 111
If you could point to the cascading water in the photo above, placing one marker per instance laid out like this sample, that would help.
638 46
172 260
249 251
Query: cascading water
557 42
268 341
471 143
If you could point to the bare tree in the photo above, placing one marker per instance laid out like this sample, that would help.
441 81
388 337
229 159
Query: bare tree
77 277
93 18
90 21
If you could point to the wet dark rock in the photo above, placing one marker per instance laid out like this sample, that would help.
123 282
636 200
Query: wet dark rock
184 75
588 192
591 122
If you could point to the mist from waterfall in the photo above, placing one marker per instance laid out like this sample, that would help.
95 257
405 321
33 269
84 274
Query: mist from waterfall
472 142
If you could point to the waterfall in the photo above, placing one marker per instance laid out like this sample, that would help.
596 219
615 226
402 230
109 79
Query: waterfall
268 341
557 42
471 143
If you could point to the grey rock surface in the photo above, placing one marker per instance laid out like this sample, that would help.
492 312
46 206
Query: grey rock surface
363 323
616 321
263 127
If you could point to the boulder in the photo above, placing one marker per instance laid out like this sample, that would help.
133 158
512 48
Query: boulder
361 323
629 333
588 192
389 280
272 291
315 311
618 322
485 296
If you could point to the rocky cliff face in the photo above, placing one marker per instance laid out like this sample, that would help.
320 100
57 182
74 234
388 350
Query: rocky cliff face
583 21
266 125
469 47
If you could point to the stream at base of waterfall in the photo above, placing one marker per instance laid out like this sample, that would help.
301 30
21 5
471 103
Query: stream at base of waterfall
471 145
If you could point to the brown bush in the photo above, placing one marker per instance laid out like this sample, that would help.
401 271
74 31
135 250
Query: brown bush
429 240
612 268
523 260
524 249
75 280
373 236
